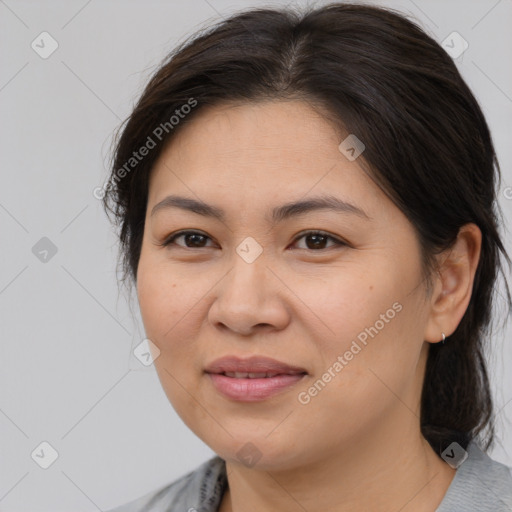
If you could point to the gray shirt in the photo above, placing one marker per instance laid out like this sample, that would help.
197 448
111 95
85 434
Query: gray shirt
480 484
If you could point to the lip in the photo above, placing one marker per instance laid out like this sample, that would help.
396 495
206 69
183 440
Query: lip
252 389
253 364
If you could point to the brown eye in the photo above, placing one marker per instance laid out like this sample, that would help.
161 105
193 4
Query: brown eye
316 240
193 240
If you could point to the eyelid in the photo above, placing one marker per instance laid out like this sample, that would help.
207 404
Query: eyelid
319 232
168 241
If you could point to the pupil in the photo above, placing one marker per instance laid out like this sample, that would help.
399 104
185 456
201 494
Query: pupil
317 237
193 235
318 240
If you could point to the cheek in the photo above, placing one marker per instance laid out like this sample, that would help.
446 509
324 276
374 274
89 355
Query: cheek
169 322
366 338
160 311
345 304
163 298
158 304
171 311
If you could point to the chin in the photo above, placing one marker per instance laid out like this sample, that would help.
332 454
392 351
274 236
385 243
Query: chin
260 453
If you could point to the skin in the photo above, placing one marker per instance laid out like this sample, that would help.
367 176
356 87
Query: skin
357 444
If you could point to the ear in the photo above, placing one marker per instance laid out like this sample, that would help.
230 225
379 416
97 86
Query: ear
453 284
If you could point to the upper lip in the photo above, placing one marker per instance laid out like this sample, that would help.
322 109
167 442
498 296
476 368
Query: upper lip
253 364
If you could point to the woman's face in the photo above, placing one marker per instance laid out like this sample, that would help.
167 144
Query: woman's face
348 311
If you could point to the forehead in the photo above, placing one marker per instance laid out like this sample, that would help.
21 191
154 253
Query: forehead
266 150
274 131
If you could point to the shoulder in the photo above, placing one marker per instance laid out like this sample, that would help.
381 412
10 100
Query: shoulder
480 484
200 490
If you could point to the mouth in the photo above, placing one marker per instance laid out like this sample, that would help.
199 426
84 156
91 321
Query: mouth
254 367
254 375
253 379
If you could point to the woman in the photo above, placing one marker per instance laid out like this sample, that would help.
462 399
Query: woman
307 205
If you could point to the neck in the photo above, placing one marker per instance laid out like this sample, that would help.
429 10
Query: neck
389 470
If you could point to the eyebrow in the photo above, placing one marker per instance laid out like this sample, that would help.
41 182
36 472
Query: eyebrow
279 213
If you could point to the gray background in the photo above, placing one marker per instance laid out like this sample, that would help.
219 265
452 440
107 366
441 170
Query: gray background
68 375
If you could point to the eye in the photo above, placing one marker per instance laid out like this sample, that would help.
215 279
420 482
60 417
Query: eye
196 240
194 237
318 240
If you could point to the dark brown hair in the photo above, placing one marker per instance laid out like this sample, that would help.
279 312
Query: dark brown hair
375 74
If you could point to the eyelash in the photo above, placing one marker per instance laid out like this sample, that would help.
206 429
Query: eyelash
170 240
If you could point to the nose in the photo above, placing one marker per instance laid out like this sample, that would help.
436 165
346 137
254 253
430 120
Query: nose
250 298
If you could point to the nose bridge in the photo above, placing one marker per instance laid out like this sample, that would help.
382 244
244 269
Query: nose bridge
248 274
245 297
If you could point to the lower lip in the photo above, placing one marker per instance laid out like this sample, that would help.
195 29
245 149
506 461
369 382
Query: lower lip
253 390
